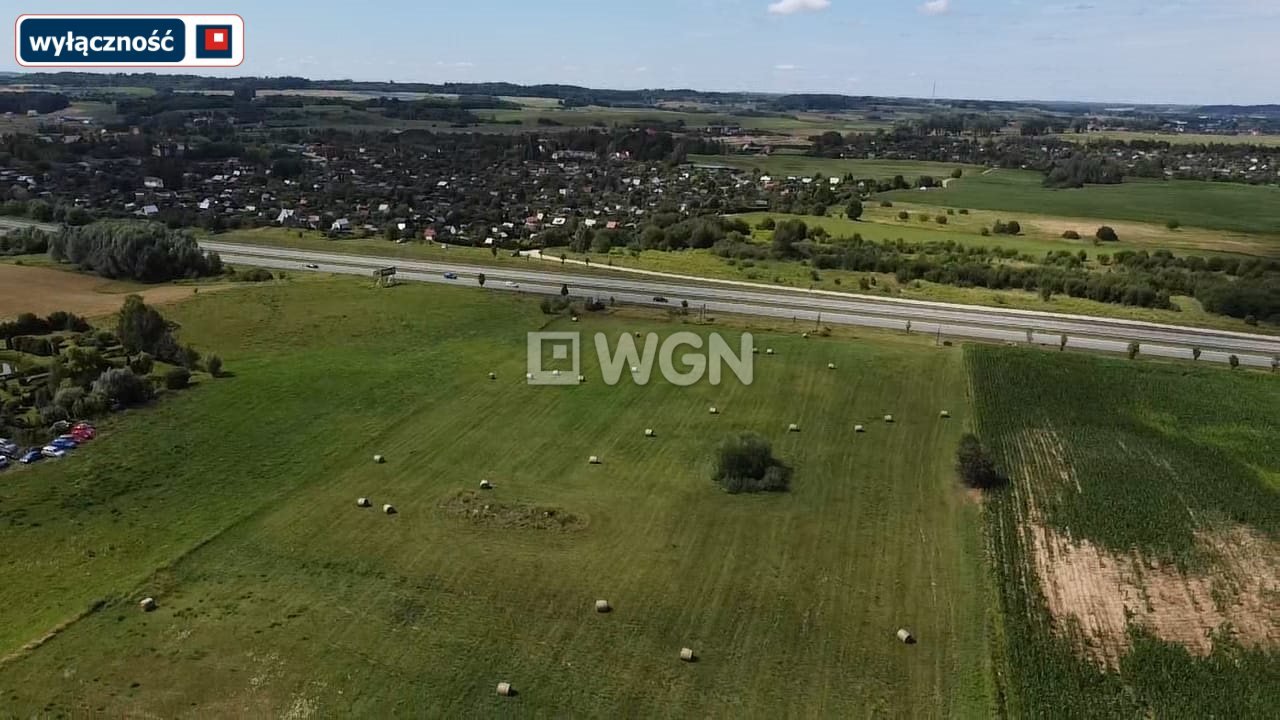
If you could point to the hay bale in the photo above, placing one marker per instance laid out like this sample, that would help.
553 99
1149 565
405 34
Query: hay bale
755 351
582 378
379 459
768 351
635 369
793 428
389 509
493 376
905 636
805 336
859 428
147 604
505 689
574 318
603 606
593 460
944 414
831 366
888 418
528 376
686 654
715 410
648 432
486 485
363 502
555 373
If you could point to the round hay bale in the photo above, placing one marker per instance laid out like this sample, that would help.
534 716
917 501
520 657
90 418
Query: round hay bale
574 318
486 485
888 418
493 376
363 502
582 378
505 689
635 369
389 509
555 373
905 636
805 336
859 428
147 604
593 460
944 414
638 335
831 366
603 606
715 410
768 351
793 428
528 376
379 459
755 351
648 432
686 654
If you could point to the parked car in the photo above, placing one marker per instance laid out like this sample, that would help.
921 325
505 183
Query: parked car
50 451
511 284
31 456
64 444
451 276
4 462
81 437
660 299
7 447
312 266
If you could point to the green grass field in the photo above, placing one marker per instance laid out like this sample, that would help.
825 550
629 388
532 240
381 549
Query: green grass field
1138 544
234 505
793 164
1174 138
1216 206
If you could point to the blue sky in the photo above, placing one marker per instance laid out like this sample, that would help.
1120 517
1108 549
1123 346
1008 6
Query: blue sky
1189 51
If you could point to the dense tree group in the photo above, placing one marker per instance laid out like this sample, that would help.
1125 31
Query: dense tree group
146 252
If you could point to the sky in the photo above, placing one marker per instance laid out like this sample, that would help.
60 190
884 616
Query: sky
1142 51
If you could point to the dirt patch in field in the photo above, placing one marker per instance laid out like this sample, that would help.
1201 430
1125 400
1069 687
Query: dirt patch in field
44 290
1100 593
482 509
1104 592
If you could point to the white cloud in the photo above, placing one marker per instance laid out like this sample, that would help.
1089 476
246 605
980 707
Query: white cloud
786 67
787 7
460 64
642 68
936 7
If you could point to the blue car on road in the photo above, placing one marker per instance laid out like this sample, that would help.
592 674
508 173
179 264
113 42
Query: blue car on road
65 444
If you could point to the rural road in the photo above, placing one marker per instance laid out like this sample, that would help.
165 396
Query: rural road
959 321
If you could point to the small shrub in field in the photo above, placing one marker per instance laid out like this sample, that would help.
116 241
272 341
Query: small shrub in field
177 379
886 204
255 275
214 364
941 219
745 463
1071 235
964 211
1173 224
1107 234
904 215
975 465
985 232
951 211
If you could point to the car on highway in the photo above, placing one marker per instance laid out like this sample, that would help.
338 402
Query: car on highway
451 276
511 284
312 266
660 299
31 456
51 451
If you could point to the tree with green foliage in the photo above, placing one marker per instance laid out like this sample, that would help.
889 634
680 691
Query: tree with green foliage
122 386
1195 353
854 211
1062 342
177 378
745 463
480 279
975 466
564 290
1134 349
1233 361
786 235
1172 224
214 364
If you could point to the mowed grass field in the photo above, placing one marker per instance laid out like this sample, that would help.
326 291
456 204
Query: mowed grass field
797 165
1216 206
233 505
1138 543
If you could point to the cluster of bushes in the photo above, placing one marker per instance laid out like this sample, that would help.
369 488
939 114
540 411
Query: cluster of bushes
975 465
27 241
32 324
1081 169
147 252
745 463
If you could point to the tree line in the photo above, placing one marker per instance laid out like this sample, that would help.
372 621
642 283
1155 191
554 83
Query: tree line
147 252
